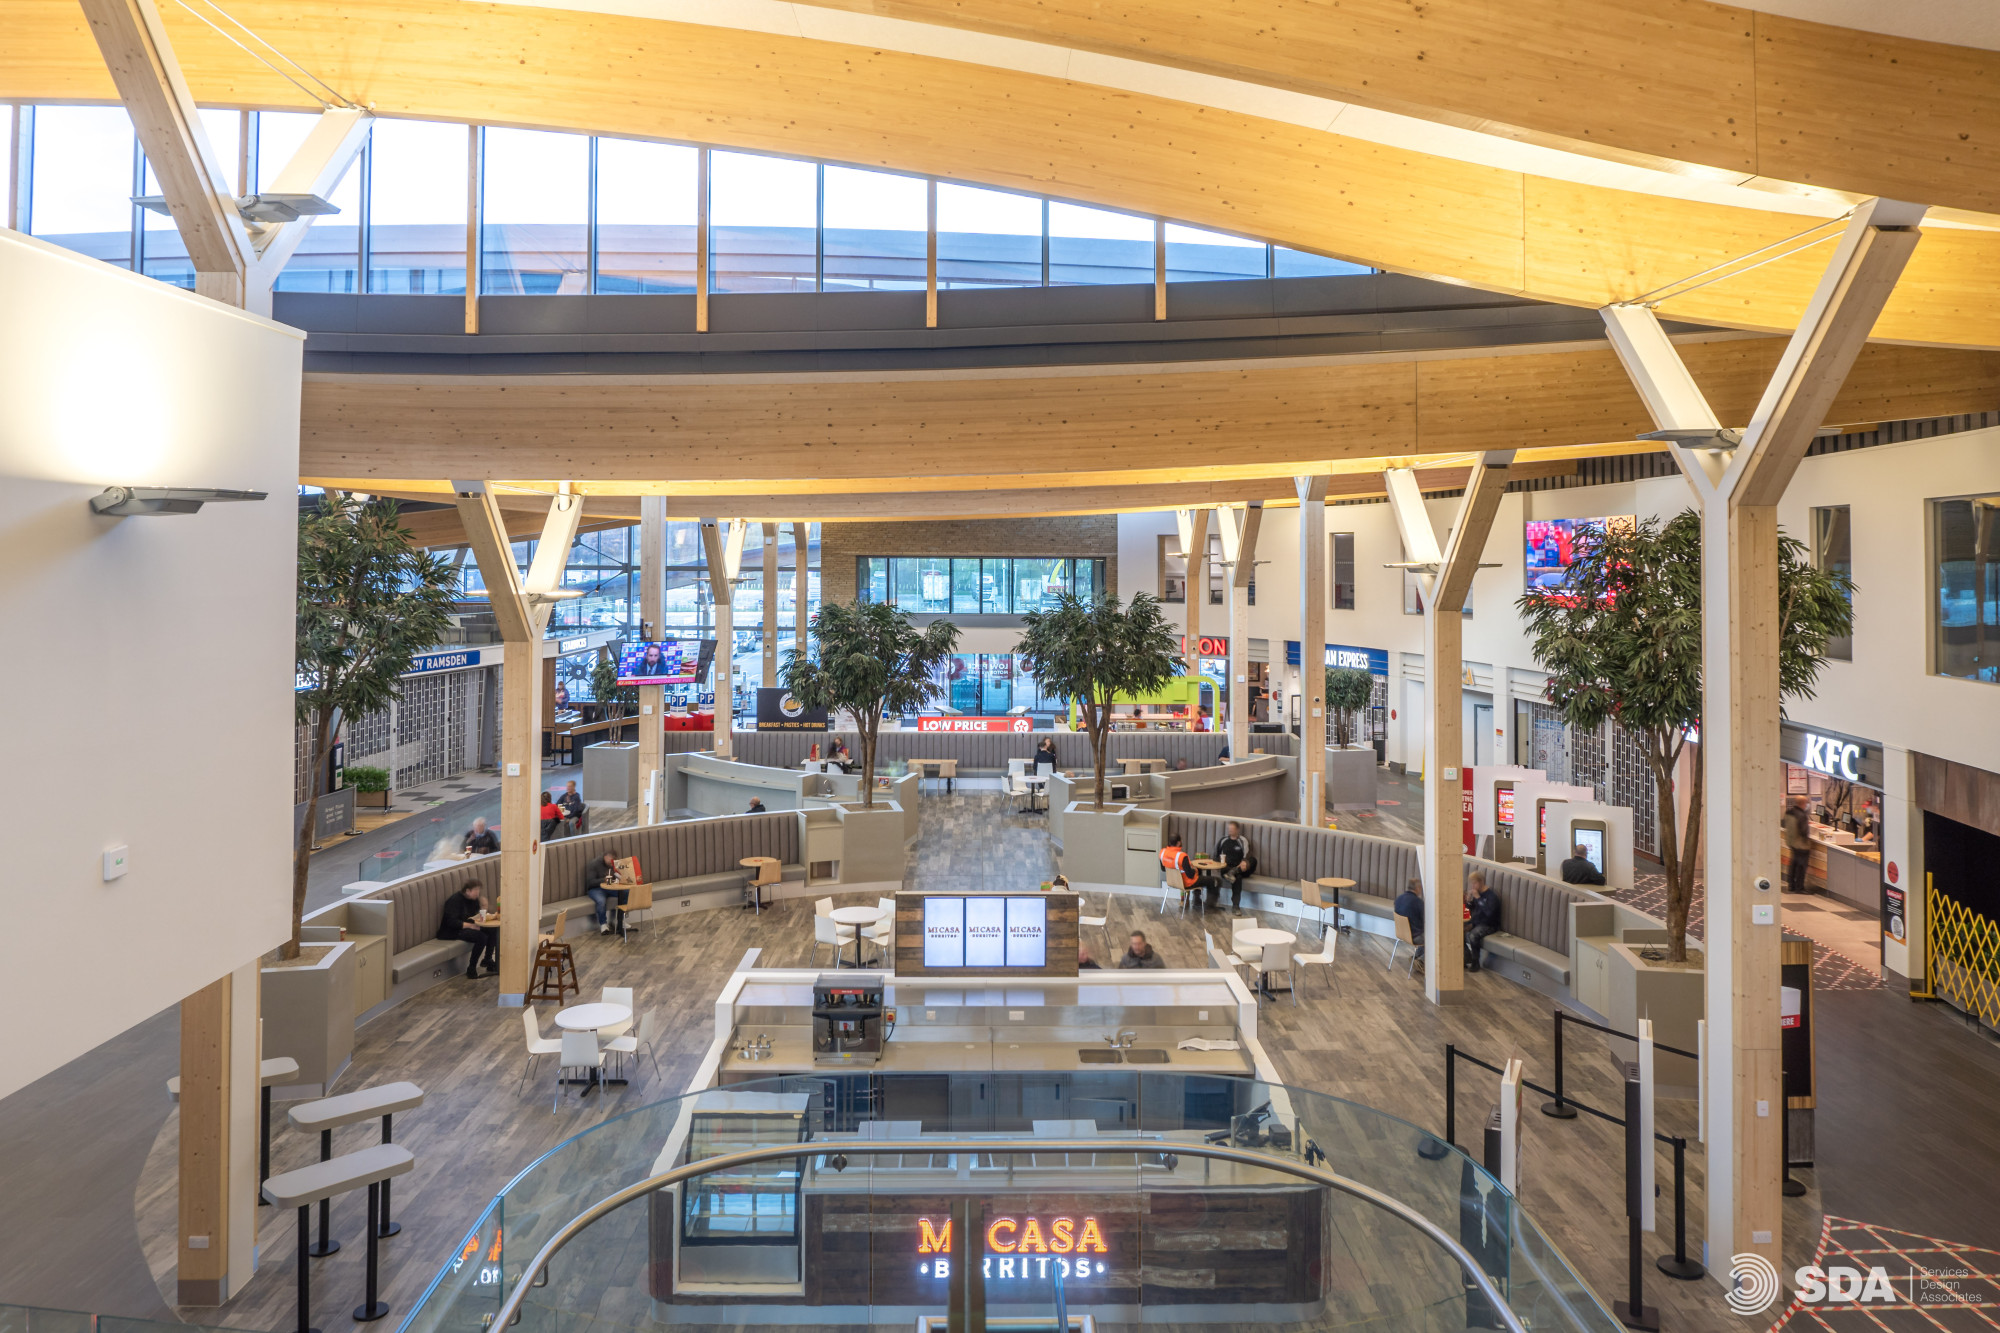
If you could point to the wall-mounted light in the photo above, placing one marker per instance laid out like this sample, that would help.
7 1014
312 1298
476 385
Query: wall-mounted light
138 501
263 209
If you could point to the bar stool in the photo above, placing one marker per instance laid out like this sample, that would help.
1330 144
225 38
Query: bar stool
351 1108
318 1183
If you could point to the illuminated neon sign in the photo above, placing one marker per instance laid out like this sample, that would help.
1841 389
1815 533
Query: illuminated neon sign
1021 1247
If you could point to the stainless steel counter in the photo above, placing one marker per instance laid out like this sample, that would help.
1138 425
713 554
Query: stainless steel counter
791 1053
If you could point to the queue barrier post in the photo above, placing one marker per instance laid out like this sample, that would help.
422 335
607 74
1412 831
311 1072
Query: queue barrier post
1559 1109
1634 1312
1677 1264
1431 1150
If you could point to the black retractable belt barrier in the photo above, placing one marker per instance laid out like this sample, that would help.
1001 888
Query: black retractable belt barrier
1635 1313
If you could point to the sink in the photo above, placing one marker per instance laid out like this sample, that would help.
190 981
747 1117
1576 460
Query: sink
1093 1056
1148 1057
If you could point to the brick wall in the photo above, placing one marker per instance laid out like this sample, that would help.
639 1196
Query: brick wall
840 544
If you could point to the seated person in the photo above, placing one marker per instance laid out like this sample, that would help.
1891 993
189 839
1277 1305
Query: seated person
1180 765
1084 962
552 817
1482 918
756 807
598 877
1140 954
1579 870
1060 884
1179 870
481 841
458 924
1410 906
841 755
574 810
1045 754
1237 864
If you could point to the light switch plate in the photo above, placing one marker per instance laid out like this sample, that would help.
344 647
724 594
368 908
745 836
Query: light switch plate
1017 1015
1763 914
1451 775
513 770
1760 1238
114 862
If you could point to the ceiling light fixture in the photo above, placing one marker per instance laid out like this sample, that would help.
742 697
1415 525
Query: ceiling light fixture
142 501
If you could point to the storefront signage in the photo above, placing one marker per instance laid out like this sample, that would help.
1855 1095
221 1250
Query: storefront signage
1020 1247
575 645
1847 758
975 724
986 931
1375 661
1206 646
464 657
777 710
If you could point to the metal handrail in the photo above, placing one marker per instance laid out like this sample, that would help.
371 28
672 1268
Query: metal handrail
511 1307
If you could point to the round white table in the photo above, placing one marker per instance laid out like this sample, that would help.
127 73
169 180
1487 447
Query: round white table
857 917
1263 937
589 1018
1037 783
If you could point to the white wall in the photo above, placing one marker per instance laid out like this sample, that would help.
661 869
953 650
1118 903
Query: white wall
146 691
1884 694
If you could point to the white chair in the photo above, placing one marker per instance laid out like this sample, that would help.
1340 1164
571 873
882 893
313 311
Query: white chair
630 1043
1329 941
1248 953
1402 938
1272 959
882 934
617 995
1101 922
1217 959
538 1045
831 933
580 1052
1017 785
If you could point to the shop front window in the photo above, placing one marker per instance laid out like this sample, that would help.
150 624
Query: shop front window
1833 553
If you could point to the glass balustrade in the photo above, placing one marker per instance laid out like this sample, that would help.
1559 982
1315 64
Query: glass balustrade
1113 1196
426 839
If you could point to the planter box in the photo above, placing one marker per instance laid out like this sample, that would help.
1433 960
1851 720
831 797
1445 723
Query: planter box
1350 778
372 800
309 1012
611 774
1673 995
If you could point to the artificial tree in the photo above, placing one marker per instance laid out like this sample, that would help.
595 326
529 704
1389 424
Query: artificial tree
1620 637
368 602
616 700
868 659
1093 651
1348 691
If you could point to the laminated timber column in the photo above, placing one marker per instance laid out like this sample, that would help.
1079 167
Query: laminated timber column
770 605
216 1253
1738 477
521 609
723 547
1447 581
801 587
1312 650
1239 553
1193 527
652 596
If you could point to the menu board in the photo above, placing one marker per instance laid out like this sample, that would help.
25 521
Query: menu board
988 931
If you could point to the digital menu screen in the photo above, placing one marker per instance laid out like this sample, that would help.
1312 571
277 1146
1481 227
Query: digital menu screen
989 931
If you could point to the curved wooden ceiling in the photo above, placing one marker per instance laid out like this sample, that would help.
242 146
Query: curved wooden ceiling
1504 230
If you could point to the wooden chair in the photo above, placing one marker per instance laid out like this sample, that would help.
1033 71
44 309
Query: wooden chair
1402 938
1309 897
554 975
753 887
639 898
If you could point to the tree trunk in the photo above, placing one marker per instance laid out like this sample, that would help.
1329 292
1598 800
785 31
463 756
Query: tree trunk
302 850
868 728
1659 758
1098 741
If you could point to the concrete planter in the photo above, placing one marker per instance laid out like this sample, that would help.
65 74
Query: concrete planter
872 849
611 774
309 1012
1671 994
1094 843
1350 778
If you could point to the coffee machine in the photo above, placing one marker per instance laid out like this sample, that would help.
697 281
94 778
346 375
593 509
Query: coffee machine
847 1020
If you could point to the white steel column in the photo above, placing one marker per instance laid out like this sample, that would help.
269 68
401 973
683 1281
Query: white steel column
723 547
1239 553
1738 477
1312 650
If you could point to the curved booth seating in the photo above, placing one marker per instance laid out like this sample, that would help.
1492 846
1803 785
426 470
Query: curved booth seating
1532 946
985 754
686 859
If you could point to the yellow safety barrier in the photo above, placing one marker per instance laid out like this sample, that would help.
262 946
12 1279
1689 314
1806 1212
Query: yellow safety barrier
1963 952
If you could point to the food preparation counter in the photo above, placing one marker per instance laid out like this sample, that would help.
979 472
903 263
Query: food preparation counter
791 1053
1845 869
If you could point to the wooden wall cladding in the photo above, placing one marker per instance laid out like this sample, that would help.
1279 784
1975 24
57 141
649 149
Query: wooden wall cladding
1061 950
1959 791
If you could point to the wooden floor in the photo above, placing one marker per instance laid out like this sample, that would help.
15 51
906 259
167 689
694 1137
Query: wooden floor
1375 1041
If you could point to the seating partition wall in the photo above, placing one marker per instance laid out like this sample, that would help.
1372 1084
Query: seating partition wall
985 754
858 1200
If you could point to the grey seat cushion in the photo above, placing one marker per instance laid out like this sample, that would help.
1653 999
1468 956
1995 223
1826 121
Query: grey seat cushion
1514 949
416 961
1533 907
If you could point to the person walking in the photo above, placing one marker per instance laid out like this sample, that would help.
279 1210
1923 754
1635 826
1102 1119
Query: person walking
1796 830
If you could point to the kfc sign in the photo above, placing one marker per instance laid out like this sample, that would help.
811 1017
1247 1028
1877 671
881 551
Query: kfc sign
975 724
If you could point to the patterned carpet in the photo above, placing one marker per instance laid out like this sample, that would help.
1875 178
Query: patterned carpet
1938 1284
1832 969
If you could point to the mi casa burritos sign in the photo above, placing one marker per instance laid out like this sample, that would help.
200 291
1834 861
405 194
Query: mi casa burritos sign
1020 1247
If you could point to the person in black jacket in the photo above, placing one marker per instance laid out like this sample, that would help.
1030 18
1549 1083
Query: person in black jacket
1045 754
1237 864
1579 870
573 807
600 879
1410 906
481 841
458 924
1484 907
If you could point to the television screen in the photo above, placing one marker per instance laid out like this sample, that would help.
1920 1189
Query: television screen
655 663
1592 842
1503 807
1550 545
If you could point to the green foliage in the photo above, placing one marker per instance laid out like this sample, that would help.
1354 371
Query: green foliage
616 700
1621 639
363 777
1092 651
868 659
1349 690
368 602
